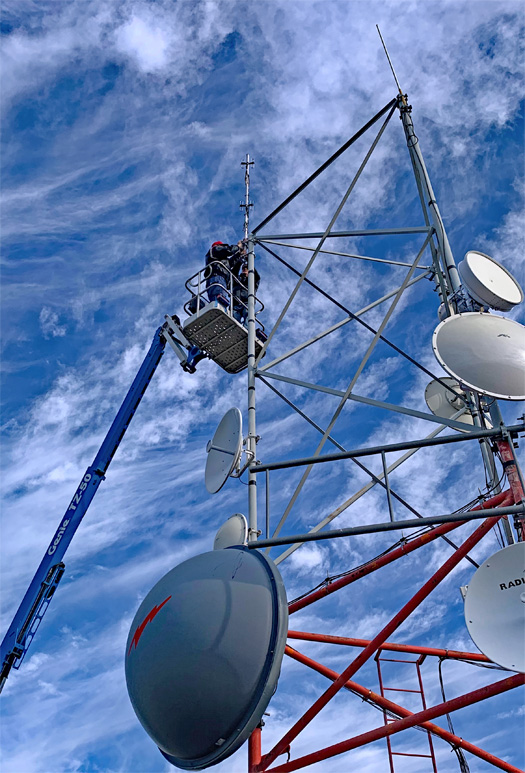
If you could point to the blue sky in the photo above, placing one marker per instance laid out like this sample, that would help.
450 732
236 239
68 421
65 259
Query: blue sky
124 125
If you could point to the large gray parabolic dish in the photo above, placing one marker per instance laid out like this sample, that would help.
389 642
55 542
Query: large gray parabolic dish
224 450
204 653
484 352
495 607
488 282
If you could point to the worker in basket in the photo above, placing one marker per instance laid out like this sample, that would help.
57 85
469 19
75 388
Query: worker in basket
220 261
240 295
240 292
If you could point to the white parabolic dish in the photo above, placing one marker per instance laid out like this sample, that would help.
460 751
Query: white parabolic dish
488 282
224 450
233 532
495 607
484 352
446 403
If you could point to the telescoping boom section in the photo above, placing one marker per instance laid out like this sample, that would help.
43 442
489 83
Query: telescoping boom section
215 329
42 588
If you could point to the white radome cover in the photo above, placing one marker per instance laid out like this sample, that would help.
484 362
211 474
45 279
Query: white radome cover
484 352
495 607
444 403
488 282
233 532
224 451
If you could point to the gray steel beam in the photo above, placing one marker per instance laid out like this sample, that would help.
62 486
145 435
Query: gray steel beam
414 149
251 440
372 450
423 229
387 484
390 106
344 254
369 401
372 528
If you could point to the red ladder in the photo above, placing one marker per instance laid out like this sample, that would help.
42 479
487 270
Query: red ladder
386 719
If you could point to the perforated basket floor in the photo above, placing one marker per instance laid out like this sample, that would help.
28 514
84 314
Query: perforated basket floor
221 336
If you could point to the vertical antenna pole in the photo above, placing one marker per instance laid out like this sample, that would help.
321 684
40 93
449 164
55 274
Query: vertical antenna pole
267 504
251 442
447 277
423 181
420 169
403 99
247 204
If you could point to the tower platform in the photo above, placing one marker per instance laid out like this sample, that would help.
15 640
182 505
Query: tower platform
221 336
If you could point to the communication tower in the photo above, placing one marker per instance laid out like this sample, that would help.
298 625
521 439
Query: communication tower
205 649
482 354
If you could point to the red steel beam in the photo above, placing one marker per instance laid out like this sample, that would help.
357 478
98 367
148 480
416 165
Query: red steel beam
513 476
381 637
402 724
388 705
377 563
254 750
390 646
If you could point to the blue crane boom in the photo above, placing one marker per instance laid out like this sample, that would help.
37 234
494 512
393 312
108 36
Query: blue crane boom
212 328
36 600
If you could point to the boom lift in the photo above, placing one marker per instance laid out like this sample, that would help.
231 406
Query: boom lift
214 330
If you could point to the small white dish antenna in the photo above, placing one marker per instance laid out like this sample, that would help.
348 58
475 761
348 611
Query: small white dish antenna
232 533
224 451
488 282
495 607
484 352
445 402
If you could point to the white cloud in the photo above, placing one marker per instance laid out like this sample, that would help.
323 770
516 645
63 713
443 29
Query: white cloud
145 42
49 323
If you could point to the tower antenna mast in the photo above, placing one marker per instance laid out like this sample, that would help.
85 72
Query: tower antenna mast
246 204
251 440
391 65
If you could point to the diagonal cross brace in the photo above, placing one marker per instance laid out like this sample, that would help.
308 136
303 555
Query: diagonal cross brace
352 384
412 719
381 637
326 234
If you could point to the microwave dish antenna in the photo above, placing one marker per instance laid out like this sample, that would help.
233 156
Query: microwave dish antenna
488 282
484 352
224 451
445 403
233 532
495 607
204 654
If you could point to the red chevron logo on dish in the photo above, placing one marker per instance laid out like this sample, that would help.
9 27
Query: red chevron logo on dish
149 617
